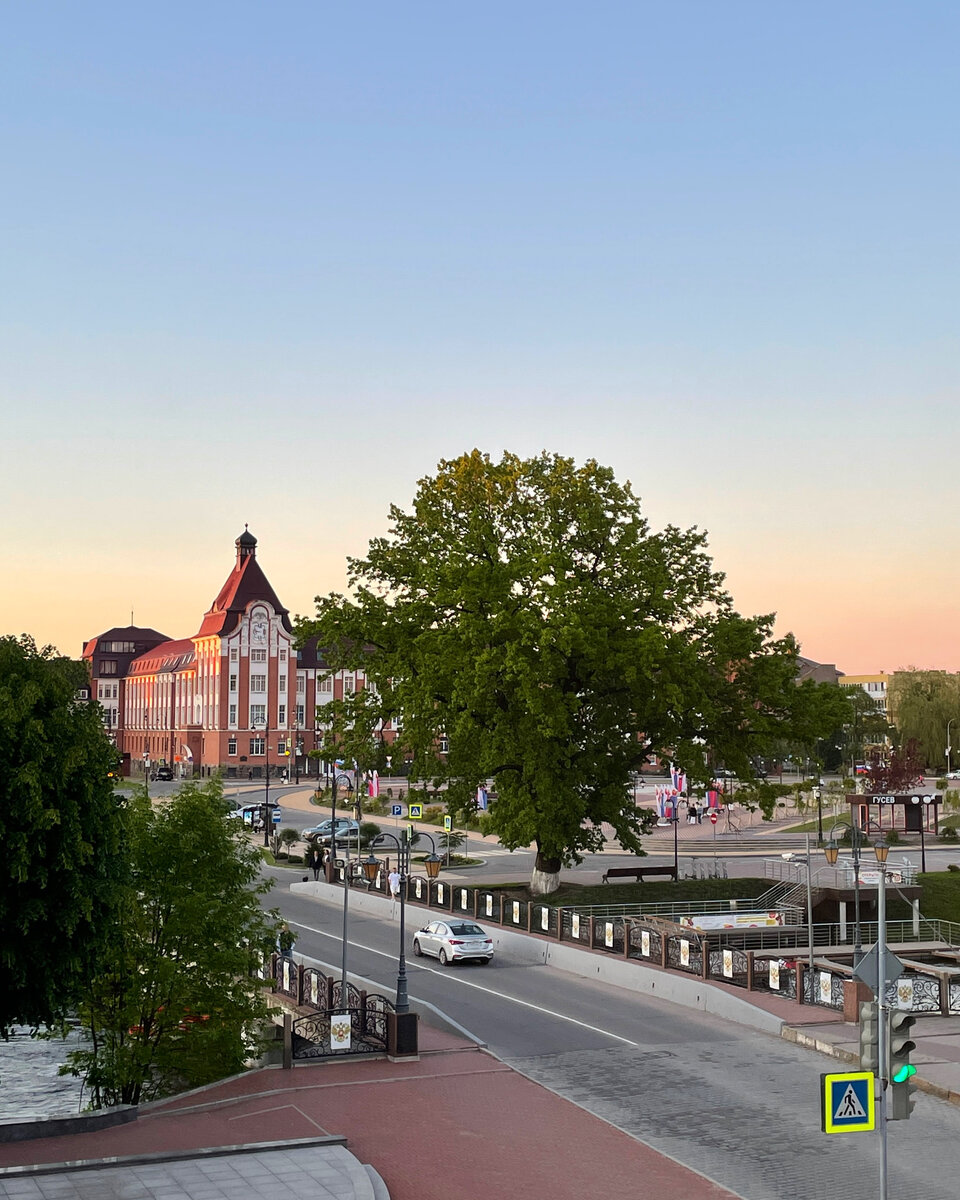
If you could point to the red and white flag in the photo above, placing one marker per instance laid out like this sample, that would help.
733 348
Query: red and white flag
373 785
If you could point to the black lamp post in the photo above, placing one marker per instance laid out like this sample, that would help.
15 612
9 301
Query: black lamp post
432 864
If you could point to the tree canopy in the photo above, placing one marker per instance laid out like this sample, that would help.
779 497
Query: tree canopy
922 705
525 611
175 1005
61 833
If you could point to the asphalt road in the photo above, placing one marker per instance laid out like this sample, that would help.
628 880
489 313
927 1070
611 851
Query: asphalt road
738 1106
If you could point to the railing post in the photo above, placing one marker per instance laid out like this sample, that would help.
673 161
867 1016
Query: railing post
750 954
560 924
704 958
800 972
944 983
627 926
664 939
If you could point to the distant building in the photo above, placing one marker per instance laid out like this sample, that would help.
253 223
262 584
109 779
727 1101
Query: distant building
818 672
108 658
874 685
232 697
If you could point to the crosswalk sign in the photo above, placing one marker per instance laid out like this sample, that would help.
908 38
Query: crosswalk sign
448 824
847 1102
415 812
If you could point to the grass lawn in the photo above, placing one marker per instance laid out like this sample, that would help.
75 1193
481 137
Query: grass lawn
657 892
940 899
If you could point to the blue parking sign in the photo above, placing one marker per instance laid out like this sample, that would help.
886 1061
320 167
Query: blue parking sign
396 810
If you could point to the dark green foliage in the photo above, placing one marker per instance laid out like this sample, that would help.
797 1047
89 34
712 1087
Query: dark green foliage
60 830
176 1007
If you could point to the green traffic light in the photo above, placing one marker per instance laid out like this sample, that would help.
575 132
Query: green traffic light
904 1073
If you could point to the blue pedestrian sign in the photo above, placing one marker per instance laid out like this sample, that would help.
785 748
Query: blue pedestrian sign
847 1103
396 810
276 815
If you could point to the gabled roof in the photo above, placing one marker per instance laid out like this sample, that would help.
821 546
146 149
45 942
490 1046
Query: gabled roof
245 583
168 656
126 633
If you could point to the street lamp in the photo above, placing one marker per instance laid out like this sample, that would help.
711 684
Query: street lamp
832 851
266 797
817 796
432 864
881 850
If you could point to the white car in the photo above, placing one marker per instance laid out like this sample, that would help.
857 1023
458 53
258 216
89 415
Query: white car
953 774
453 940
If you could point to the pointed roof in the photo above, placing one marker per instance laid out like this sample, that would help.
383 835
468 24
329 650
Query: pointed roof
245 583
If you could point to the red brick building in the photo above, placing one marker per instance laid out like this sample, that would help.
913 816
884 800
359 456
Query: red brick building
232 697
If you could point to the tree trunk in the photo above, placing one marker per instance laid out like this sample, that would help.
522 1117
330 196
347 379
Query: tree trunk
546 875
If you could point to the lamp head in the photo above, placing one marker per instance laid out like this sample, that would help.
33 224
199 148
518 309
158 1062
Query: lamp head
832 851
371 865
432 864
881 850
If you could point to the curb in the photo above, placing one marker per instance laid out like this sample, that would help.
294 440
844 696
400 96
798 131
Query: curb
798 1037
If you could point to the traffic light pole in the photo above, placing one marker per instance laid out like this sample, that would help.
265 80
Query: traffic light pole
882 1032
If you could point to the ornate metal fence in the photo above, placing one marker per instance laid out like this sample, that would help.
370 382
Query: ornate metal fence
730 964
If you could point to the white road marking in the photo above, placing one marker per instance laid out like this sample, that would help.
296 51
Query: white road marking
479 987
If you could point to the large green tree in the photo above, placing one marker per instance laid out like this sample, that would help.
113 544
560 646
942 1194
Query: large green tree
60 830
525 611
175 1006
923 704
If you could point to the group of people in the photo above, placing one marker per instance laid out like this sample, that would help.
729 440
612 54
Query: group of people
695 811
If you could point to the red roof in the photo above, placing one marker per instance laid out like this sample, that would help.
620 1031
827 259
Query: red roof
245 584
168 656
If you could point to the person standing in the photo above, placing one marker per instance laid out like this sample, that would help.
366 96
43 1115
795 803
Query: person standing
315 861
393 883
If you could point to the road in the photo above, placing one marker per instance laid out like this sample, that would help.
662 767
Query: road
736 1105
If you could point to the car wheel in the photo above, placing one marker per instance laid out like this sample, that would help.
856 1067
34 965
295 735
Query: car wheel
443 958
416 948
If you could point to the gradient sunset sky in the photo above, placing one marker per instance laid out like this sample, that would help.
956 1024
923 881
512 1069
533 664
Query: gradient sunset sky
270 263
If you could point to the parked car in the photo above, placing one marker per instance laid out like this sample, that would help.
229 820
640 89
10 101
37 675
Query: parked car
451 941
347 831
953 774
162 773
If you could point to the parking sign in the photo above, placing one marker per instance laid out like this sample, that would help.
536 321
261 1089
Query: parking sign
396 810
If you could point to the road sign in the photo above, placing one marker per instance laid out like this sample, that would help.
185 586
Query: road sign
713 818
867 969
396 810
846 1102
275 816
415 812
448 823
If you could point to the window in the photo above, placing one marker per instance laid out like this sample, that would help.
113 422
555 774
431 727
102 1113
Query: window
114 692
119 647
282 746
283 655
233 683
258 683
256 745
282 683
108 666
349 685
282 715
233 715
301 683
258 715
325 684
299 714
258 656
234 655
232 746
101 690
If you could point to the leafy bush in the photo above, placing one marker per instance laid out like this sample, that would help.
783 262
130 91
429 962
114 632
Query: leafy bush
948 833
368 831
433 814
451 841
374 805
893 837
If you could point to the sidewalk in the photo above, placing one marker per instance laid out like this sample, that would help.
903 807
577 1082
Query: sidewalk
455 1125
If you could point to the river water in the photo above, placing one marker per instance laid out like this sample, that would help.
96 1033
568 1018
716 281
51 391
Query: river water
29 1083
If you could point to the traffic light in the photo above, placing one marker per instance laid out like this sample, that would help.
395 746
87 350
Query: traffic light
901 1068
869 1041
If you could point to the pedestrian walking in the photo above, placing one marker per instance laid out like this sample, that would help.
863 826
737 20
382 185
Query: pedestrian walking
315 861
393 882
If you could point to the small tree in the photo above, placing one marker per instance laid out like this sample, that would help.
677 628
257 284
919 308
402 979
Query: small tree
288 839
175 1005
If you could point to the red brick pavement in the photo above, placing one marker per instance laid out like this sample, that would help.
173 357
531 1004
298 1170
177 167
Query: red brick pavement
456 1125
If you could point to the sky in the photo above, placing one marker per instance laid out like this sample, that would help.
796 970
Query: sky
270 264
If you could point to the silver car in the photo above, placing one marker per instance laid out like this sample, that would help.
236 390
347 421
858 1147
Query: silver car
453 940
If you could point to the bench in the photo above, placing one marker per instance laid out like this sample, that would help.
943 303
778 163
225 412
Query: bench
637 872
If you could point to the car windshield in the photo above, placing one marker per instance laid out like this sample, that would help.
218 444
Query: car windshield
466 930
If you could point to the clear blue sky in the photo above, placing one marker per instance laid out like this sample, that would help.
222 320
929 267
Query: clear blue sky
269 263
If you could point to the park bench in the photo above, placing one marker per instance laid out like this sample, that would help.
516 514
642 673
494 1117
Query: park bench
637 872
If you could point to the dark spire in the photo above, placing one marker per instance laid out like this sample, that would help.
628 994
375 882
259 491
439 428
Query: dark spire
246 545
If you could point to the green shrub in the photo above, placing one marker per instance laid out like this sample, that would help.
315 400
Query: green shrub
374 805
433 814
893 837
948 833
368 831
